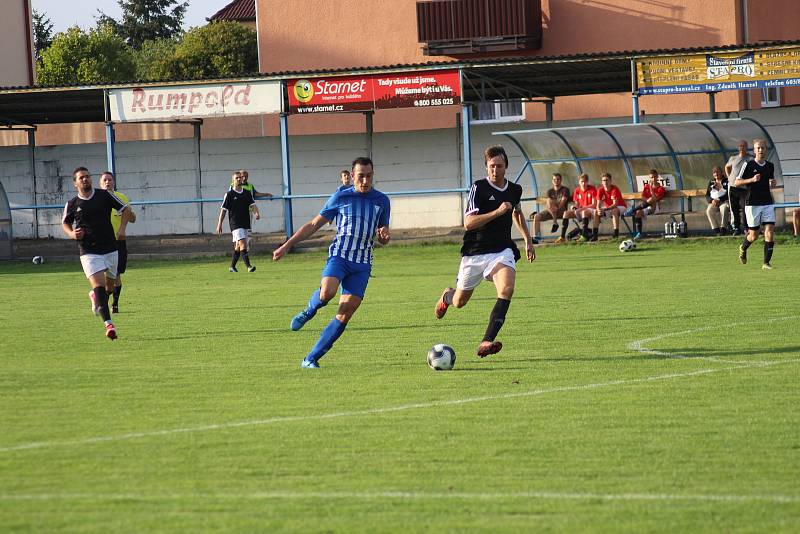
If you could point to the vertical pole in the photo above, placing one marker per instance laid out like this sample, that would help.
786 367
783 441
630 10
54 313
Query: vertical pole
548 113
32 160
111 162
635 91
712 105
288 226
466 117
368 116
198 175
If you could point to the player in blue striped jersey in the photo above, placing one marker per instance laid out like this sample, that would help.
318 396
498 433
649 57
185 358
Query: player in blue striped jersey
361 214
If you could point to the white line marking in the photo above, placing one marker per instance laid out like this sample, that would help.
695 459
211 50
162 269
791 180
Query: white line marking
635 345
639 345
403 495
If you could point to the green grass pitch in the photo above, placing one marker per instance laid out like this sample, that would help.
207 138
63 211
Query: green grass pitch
655 390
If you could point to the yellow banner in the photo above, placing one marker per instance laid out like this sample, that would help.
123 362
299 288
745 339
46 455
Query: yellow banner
700 73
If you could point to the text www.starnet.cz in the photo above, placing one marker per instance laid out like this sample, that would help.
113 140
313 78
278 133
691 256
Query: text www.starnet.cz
317 109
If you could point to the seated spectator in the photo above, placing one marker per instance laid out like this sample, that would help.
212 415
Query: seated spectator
609 202
717 196
652 194
584 199
557 198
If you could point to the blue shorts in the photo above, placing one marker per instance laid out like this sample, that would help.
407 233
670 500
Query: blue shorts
353 276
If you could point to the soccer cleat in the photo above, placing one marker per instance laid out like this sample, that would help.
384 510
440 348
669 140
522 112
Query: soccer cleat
309 364
441 306
114 308
574 233
251 269
95 306
582 239
742 254
535 240
560 240
489 347
637 235
233 270
301 319
593 239
629 212
767 267
111 332
554 228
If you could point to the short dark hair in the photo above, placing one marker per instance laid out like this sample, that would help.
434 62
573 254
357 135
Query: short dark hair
344 171
653 171
362 160
77 170
583 176
493 152
109 173
606 175
557 174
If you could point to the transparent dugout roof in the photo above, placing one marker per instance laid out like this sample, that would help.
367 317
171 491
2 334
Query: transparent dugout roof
687 150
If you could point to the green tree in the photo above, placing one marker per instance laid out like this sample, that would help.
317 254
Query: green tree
221 49
42 32
78 57
146 20
155 60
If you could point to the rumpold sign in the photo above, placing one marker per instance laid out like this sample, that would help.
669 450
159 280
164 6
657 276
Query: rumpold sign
194 101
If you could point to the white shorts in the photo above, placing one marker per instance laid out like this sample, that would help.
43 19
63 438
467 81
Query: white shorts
475 268
758 215
94 263
239 234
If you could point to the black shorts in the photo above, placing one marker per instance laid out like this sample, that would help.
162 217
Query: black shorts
122 248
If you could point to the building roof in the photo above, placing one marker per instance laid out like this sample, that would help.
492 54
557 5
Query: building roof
510 78
238 10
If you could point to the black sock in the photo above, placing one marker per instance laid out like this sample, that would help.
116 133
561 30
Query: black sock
101 297
641 206
117 291
564 224
246 258
616 232
746 243
496 319
234 258
768 246
717 230
585 224
595 231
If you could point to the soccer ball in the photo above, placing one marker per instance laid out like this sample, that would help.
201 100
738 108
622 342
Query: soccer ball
38 260
441 357
627 245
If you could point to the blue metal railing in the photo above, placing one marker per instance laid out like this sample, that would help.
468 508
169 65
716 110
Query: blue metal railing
219 200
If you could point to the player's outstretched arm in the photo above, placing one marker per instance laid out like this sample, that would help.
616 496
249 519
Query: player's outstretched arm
304 232
522 226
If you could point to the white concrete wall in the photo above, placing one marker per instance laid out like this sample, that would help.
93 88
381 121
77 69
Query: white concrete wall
167 170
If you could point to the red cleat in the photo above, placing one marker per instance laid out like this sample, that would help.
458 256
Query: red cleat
487 348
441 306
111 332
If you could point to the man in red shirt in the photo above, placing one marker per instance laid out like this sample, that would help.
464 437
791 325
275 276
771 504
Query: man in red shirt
609 202
652 193
584 199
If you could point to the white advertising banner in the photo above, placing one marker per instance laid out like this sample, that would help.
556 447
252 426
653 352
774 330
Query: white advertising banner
194 101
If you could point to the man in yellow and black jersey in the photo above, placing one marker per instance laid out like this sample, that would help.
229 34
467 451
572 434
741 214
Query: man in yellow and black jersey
114 285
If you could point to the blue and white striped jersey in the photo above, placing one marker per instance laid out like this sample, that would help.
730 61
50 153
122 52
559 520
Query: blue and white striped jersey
358 216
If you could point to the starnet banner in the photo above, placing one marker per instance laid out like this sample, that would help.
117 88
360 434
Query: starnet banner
194 101
364 93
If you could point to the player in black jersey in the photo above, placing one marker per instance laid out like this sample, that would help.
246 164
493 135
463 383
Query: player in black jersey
87 219
758 176
238 203
488 251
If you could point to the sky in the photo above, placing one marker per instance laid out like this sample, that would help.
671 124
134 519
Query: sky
66 13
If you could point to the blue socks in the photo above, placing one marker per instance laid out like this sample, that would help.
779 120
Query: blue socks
328 337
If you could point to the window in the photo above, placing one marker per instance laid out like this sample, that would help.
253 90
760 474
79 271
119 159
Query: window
498 112
770 97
